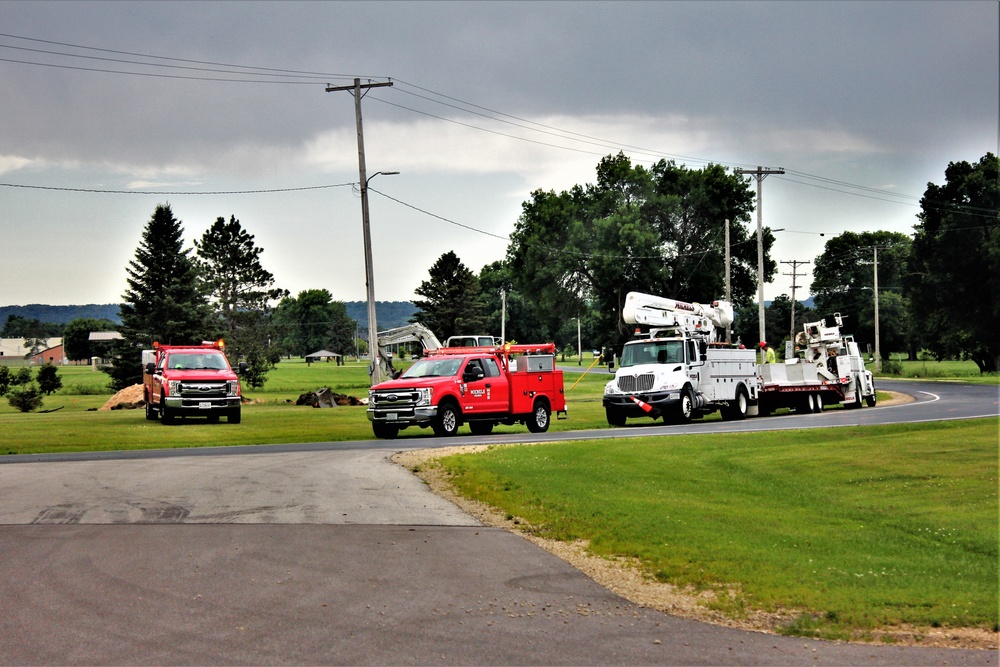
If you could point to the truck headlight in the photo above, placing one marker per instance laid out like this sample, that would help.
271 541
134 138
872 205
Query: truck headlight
424 396
232 388
174 387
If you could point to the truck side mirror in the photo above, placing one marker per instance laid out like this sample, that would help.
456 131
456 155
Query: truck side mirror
243 368
150 368
473 374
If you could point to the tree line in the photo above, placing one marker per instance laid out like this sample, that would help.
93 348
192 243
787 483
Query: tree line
572 258
577 253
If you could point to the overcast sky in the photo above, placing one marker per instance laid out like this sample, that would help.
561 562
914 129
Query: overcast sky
109 109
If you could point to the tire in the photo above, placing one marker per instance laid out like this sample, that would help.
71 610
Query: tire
870 400
819 402
539 420
386 431
738 406
213 419
615 418
808 405
684 409
166 415
151 413
481 428
449 418
234 416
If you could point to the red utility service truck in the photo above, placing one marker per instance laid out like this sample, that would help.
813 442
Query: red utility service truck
190 381
483 386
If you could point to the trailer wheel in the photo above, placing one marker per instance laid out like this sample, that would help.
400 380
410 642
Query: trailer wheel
737 408
386 431
538 422
448 420
615 418
819 402
481 428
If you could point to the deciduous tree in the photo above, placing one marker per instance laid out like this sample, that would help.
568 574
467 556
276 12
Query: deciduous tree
658 230
955 264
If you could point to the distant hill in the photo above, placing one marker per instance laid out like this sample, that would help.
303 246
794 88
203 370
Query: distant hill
61 314
389 313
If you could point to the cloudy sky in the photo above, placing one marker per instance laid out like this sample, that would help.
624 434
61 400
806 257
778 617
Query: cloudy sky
220 109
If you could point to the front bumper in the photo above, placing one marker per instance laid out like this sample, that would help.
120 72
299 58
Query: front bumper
658 401
195 406
403 415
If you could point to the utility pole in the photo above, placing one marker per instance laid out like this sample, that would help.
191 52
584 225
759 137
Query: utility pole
875 249
760 174
878 356
794 274
375 370
729 298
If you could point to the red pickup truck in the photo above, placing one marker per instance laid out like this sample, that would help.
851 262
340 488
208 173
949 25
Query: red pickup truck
482 386
190 381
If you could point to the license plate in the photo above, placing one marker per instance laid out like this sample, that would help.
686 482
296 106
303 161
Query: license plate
205 405
391 416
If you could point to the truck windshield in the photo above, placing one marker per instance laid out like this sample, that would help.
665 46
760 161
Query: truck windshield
653 352
427 368
193 362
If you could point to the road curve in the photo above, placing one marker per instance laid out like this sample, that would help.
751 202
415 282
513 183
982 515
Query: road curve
326 553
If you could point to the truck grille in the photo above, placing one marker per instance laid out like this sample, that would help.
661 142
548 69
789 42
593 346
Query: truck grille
203 390
631 384
387 400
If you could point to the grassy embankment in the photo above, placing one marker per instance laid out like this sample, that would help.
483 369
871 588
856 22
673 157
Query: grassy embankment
853 528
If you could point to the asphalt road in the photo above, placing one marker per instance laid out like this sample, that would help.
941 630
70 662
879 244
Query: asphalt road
327 553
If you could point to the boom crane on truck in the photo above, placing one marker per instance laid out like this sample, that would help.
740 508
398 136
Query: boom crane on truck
678 369
405 334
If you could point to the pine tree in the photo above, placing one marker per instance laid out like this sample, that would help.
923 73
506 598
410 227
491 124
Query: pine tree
241 291
164 301
452 304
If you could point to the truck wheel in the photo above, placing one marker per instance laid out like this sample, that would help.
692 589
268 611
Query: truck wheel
234 416
387 431
684 409
738 406
166 415
481 428
448 420
870 400
151 413
538 422
615 418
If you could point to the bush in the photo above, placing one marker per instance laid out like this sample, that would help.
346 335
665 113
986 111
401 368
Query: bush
891 367
25 397
4 380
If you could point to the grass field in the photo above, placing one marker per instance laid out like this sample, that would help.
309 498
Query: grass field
857 528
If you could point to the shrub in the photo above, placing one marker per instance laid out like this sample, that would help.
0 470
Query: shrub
891 367
25 397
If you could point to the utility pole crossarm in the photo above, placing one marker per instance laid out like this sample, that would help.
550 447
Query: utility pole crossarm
358 84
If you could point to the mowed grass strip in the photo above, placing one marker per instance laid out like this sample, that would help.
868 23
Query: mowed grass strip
858 528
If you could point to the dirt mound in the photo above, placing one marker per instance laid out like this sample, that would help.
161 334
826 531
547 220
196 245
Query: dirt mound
127 399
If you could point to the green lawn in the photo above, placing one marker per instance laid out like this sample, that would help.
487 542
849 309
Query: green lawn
859 528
